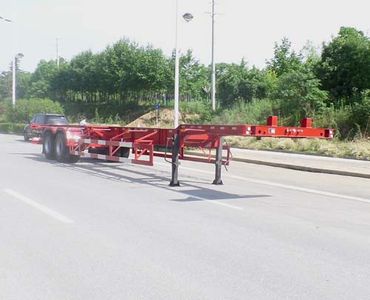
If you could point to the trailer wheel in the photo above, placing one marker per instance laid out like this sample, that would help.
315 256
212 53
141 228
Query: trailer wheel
61 150
48 145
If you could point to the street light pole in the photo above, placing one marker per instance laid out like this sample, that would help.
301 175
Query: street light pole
177 70
187 17
213 89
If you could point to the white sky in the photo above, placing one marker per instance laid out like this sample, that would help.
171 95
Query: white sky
243 28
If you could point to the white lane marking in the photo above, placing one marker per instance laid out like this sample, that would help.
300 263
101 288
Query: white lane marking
38 206
286 186
223 204
301 189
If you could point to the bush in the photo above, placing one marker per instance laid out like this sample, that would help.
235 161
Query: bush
337 118
4 108
350 121
361 115
25 109
201 108
299 96
255 112
11 128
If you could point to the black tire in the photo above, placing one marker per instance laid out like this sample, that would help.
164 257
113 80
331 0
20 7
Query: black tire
61 150
48 145
27 133
25 136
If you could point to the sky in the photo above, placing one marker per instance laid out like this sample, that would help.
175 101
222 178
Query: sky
243 28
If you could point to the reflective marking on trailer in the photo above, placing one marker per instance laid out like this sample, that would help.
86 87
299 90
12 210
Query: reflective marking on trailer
125 144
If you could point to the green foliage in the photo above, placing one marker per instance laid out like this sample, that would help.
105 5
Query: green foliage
199 108
285 60
11 128
254 112
125 80
5 85
25 109
350 121
4 107
299 95
41 80
361 114
345 64
22 82
238 83
194 78
337 118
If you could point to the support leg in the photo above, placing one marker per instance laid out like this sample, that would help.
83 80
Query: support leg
218 163
175 161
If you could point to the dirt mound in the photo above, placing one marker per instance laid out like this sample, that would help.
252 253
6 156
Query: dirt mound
163 119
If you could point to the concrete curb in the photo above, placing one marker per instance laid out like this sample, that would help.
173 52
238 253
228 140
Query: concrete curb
294 167
302 168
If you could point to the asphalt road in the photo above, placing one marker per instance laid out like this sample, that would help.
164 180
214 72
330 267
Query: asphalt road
97 230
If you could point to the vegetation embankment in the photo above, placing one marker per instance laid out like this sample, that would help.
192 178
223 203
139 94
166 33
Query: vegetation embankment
126 81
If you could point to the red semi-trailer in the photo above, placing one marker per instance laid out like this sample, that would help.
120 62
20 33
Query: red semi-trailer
67 143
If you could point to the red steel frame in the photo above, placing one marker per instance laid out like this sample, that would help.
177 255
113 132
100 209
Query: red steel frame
145 143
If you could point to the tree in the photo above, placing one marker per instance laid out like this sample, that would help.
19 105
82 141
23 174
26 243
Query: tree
233 84
299 94
41 79
5 85
285 59
344 69
194 77
236 82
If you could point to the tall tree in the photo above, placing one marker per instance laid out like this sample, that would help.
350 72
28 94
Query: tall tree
344 69
285 59
41 79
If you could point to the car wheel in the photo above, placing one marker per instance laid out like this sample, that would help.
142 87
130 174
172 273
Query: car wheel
25 136
26 133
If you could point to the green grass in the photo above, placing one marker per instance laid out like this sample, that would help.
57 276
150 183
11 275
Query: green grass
358 149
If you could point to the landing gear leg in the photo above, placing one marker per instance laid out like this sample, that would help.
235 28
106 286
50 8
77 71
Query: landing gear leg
218 163
175 161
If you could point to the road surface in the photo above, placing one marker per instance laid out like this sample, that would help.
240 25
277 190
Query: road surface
98 230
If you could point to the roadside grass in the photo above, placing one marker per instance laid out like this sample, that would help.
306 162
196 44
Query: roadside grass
358 149
13 128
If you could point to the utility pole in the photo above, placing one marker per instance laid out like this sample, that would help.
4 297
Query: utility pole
13 81
213 88
14 65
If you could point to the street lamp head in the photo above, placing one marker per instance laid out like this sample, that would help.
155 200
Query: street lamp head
188 17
